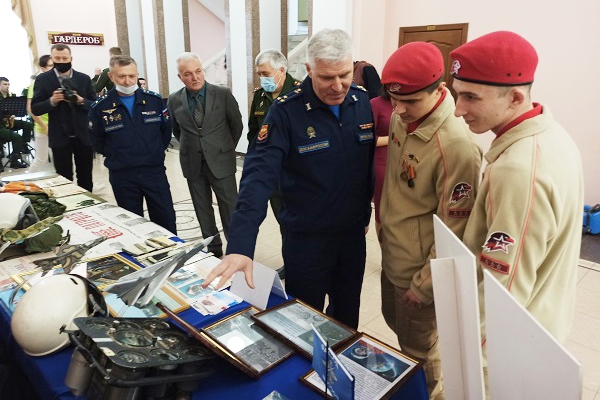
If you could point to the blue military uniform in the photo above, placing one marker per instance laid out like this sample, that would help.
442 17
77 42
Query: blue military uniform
324 166
134 146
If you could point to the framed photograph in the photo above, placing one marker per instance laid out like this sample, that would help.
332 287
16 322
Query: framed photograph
106 270
291 321
246 345
378 369
117 307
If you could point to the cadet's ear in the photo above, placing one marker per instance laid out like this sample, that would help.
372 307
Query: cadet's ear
517 96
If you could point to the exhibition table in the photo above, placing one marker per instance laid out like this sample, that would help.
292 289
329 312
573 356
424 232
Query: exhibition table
47 374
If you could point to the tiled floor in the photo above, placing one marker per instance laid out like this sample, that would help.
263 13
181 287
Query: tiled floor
584 342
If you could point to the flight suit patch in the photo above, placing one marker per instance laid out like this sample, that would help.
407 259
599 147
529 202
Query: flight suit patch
263 134
312 147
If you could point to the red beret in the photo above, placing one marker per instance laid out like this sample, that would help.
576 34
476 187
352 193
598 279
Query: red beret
498 58
412 68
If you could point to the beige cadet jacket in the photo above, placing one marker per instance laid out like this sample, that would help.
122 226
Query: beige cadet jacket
526 224
446 165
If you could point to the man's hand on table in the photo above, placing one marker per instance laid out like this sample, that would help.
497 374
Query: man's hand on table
231 264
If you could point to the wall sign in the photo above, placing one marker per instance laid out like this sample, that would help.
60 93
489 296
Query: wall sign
76 38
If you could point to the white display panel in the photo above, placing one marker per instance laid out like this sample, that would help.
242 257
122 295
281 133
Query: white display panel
457 311
524 359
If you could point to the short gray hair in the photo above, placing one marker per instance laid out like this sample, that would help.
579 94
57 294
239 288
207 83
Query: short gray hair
275 58
121 61
330 45
187 56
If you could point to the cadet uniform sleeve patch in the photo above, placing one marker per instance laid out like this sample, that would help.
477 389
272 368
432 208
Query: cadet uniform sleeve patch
498 241
165 114
263 134
497 266
460 191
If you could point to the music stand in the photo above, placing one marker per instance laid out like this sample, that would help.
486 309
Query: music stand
17 106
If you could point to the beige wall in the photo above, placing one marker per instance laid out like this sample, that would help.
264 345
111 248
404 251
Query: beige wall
87 16
207 32
566 35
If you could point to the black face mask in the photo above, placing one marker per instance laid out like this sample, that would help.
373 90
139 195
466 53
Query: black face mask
62 67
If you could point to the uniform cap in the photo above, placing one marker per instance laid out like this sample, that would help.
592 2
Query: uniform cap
499 58
412 68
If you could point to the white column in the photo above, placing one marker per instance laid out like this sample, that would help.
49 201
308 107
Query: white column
292 7
174 40
136 40
148 29
332 14
269 12
239 74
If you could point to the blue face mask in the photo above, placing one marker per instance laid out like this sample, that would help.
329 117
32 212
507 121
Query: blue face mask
268 83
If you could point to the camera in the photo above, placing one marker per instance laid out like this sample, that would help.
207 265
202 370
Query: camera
69 90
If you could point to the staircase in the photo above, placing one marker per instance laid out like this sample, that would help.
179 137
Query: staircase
297 52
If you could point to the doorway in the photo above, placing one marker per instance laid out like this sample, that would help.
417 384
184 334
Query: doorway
445 37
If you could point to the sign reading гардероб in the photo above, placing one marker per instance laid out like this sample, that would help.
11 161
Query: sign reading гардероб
76 38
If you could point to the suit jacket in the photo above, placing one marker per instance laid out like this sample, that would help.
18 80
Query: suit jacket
65 119
216 141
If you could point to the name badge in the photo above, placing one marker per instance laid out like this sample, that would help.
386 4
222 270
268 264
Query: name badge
309 148
154 119
364 136
113 127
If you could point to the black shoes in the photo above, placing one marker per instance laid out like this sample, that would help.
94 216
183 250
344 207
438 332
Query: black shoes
17 163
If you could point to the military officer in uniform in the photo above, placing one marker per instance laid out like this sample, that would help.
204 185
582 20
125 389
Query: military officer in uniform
131 128
317 143
271 67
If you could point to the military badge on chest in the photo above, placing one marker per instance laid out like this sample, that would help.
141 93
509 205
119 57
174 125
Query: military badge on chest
112 120
409 172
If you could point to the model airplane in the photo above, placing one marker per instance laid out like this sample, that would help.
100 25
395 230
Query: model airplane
139 288
68 255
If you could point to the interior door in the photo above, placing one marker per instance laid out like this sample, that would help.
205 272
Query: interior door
445 37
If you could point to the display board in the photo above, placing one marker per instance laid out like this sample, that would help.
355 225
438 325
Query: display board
457 312
524 359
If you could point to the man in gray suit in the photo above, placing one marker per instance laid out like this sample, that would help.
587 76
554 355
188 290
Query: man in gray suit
207 123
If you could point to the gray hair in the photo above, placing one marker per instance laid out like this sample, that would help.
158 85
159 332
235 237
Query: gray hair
330 45
187 56
275 58
121 61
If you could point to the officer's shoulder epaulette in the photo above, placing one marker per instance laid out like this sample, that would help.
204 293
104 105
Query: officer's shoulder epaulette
256 89
358 87
289 96
98 101
150 92
297 83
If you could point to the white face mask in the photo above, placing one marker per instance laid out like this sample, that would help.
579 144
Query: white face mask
126 90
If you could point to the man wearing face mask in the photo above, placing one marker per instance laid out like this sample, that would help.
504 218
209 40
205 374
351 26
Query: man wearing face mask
271 67
131 128
66 96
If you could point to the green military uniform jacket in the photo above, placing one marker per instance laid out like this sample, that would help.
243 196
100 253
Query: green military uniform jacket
102 81
261 103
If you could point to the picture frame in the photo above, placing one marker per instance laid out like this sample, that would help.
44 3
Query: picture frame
291 322
245 344
106 270
379 370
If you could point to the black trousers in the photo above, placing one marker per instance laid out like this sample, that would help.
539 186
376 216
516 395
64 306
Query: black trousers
84 160
130 189
332 264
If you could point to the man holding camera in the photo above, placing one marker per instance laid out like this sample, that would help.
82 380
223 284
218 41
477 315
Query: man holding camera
66 95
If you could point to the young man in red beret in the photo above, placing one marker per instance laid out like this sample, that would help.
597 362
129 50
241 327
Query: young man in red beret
433 167
525 227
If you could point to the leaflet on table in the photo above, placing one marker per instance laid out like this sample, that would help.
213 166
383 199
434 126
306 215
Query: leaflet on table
81 200
18 266
216 302
64 190
188 280
52 181
123 228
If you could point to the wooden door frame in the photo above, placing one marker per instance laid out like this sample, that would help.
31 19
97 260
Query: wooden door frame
445 27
